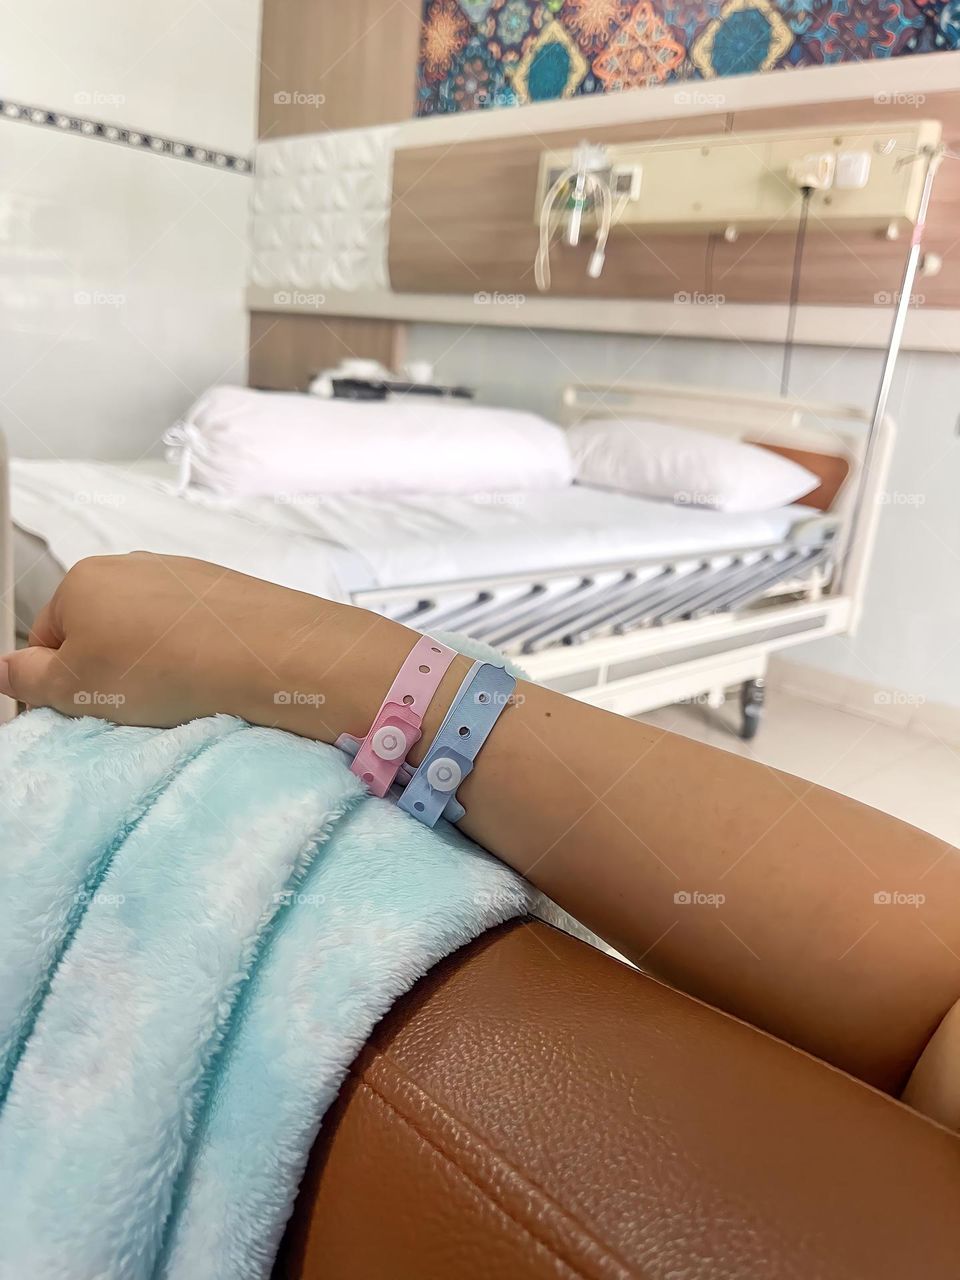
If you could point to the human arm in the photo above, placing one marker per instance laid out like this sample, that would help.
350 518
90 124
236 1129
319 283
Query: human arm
611 818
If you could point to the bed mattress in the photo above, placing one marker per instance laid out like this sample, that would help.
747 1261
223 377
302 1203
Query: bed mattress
335 546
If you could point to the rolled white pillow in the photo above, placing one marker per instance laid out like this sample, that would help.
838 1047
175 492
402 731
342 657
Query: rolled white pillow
242 442
685 466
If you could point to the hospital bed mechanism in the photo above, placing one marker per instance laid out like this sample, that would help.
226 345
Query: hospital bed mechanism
522 615
635 634
526 615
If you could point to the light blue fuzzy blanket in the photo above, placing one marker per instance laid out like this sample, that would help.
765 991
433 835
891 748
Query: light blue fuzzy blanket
198 929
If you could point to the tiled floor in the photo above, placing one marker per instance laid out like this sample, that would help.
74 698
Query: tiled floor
917 778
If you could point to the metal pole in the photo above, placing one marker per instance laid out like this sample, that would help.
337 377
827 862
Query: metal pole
933 156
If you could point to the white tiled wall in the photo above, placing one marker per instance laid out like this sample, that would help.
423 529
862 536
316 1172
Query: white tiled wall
121 272
180 67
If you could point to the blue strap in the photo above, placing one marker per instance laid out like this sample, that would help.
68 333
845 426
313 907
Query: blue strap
431 792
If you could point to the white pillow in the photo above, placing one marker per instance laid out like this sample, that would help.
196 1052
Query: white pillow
237 441
685 466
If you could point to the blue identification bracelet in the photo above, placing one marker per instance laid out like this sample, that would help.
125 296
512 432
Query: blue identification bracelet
431 792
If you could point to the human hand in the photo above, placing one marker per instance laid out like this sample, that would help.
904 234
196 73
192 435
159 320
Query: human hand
159 640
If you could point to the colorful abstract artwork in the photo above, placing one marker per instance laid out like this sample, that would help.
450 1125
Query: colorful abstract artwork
852 30
644 51
477 54
551 67
747 36
594 23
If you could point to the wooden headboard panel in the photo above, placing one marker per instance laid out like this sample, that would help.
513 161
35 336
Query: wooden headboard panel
457 198
831 468
329 66
462 222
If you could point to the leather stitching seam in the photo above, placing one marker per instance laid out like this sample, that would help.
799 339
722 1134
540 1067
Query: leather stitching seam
572 1220
484 1191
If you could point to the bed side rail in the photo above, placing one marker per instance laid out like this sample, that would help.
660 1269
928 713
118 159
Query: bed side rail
834 430
525 614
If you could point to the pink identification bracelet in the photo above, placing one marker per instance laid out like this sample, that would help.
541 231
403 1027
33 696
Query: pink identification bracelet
398 724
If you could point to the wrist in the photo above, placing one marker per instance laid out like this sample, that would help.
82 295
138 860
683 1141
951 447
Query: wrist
323 668
328 673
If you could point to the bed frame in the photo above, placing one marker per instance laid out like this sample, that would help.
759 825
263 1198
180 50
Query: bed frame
639 634
636 635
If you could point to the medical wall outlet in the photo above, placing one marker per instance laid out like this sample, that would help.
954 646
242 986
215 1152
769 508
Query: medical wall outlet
853 170
626 181
813 172
862 177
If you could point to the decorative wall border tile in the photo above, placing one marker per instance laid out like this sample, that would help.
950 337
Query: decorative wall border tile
121 135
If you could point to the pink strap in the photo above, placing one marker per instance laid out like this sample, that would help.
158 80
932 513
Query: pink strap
397 725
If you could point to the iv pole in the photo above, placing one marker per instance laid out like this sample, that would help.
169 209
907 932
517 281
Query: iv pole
933 156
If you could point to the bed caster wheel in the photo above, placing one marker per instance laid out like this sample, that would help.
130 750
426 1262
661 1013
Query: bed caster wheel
751 708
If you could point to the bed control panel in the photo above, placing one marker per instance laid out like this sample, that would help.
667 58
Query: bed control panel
862 177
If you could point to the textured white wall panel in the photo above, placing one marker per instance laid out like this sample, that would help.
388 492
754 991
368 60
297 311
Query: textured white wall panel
321 209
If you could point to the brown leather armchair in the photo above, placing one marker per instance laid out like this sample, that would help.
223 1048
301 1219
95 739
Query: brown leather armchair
533 1108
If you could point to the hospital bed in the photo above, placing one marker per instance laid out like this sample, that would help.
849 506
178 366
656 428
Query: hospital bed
633 633
623 602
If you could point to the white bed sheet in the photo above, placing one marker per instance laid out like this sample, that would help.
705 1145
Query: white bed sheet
334 546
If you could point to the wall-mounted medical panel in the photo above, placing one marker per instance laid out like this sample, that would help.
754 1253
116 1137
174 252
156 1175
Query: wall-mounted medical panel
462 220
459 237
862 177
